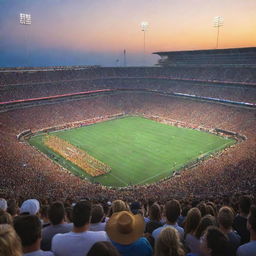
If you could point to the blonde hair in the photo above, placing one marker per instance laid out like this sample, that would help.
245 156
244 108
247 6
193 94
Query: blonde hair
168 243
118 206
10 244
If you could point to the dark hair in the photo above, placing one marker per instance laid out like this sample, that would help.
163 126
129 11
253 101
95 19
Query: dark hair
172 210
192 220
206 221
103 249
97 213
252 217
245 204
12 207
28 228
155 212
82 213
56 213
216 241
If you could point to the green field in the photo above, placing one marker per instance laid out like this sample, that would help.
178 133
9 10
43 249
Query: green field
138 150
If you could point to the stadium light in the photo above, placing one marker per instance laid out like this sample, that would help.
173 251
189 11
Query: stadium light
217 23
25 19
144 27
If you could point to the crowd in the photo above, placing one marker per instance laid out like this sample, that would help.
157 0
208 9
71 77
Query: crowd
201 81
128 228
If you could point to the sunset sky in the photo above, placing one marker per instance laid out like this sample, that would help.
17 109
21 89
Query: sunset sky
95 32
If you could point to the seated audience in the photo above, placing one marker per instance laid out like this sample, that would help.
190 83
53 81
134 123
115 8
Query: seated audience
80 240
28 228
125 231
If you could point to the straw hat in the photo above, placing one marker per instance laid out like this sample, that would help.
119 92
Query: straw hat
124 227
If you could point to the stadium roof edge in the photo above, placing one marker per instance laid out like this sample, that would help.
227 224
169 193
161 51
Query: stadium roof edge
209 51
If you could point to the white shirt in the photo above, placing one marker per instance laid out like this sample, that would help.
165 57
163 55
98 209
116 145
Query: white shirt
76 244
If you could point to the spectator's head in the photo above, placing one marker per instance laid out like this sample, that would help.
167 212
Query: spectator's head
168 243
28 228
56 213
192 220
9 241
124 227
225 217
251 221
205 222
12 207
202 207
97 213
245 204
118 206
172 210
155 212
82 213
5 218
135 207
30 206
103 249
3 204
68 217
214 242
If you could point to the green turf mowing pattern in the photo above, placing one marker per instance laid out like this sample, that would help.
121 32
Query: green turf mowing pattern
139 150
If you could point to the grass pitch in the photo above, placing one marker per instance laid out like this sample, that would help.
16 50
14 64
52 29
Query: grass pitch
138 150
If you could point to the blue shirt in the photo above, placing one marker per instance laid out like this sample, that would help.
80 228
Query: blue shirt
140 247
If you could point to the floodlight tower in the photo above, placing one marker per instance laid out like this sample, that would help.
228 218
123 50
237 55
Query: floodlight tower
25 19
144 27
217 23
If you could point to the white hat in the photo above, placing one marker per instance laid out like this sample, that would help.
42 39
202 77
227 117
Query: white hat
30 206
3 204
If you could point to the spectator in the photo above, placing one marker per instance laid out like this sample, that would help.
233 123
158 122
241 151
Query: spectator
9 241
168 243
97 218
225 220
5 218
125 231
191 223
241 219
3 204
103 249
214 243
249 249
28 228
57 225
80 240
172 212
118 206
154 218
30 206
44 215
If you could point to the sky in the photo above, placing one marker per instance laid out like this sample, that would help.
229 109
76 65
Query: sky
96 32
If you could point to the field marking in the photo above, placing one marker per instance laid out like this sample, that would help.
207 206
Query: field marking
117 178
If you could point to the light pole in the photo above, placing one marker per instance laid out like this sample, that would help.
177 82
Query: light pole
217 23
25 19
144 27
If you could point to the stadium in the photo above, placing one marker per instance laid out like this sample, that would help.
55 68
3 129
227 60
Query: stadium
121 138
209 98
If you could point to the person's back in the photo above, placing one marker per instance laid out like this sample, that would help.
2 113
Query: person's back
79 241
172 212
241 219
249 249
56 215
